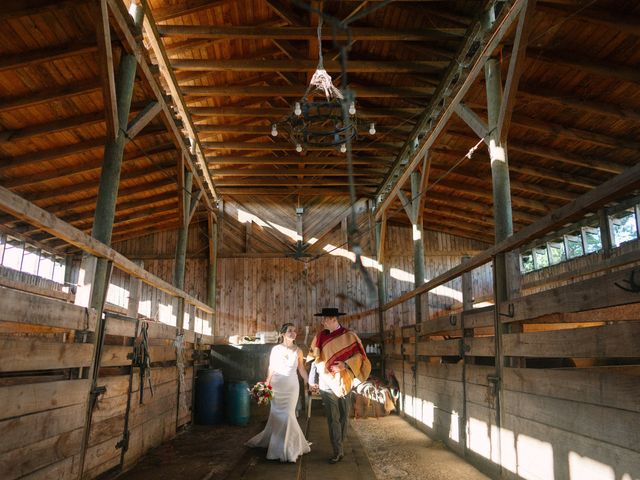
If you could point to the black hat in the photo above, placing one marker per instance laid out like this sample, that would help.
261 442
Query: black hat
329 312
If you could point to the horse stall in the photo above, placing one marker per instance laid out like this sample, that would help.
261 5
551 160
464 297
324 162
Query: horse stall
177 182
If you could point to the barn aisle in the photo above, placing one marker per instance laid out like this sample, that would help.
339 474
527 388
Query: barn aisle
383 449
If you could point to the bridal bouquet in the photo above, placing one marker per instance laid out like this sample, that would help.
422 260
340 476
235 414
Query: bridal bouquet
262 393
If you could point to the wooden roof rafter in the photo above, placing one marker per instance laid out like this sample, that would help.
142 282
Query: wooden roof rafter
127 29
430 128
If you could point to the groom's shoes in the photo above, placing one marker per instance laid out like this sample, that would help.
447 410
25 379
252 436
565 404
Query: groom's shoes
337 458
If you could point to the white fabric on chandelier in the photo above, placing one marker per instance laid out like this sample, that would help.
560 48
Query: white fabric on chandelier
282 436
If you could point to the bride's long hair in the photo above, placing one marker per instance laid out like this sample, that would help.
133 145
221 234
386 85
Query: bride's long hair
283 330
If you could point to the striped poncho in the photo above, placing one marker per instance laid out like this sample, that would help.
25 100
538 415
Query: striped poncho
341 345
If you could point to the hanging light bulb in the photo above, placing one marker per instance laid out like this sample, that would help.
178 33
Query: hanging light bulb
343 148
352 108
372 129
274 130
298 147
297 110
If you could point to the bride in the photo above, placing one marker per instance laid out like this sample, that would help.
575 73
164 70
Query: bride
282 436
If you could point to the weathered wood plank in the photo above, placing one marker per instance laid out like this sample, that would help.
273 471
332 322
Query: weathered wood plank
19 400
480 346
11 203
617 340
22 461
610 425
438 347
23 354
114 355
22 431
603 386
590 459
17 306
35 289
599 292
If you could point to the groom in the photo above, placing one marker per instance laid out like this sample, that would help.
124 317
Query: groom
339 359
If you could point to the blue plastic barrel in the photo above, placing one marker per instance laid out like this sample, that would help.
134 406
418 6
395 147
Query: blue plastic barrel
237 402
209 397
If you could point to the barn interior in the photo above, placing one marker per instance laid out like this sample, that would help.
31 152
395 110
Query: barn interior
178 178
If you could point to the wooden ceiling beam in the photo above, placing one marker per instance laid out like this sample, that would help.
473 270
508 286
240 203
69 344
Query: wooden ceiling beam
285 146
555 176
294 182
278 113
129 36
305 191
306 33
456 183
543 151
166 170
574 134
85 220
474 206
167 222
303 65
295 160
192 92
162 14
382 131
61 125
452 89
284 12
50 95
67 150
158 187
88 203
84 168
544 191
523 168
292 172
531 94
28 8
45 55
586 64
443 224
612 18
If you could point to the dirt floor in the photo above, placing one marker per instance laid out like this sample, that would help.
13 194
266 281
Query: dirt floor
395 449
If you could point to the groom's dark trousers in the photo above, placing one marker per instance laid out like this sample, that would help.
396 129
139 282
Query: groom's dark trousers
337 411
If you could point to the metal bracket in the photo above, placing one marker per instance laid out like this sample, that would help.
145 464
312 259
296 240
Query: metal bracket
418 327
494 383
634 286
511 311
124 443
453 320
97 391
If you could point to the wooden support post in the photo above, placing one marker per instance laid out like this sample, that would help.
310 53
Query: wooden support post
110 175
213 263
606 236
134 294
501 210
3 243
181 244
381 233
69 283
467 305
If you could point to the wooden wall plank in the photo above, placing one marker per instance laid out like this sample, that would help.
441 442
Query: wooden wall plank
599 386
564 453
24 354
617 340
17 306
19 400
21 431
610 425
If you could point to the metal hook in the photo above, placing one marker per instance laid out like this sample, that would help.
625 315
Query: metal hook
634 286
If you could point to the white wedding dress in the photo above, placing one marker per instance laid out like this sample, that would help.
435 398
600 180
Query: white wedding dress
282 436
